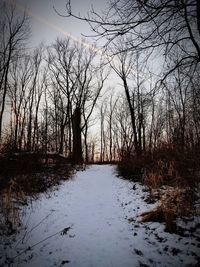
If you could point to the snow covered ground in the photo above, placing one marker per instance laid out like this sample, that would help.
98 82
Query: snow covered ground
92 220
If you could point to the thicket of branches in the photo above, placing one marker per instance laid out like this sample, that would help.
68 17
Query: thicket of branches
51 93
47 95
155 46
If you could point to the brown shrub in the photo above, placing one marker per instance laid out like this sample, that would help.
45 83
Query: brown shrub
174 203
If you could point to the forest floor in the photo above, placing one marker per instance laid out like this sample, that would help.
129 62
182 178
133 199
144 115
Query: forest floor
92 219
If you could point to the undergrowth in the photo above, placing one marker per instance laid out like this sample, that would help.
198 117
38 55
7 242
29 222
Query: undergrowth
171 177
22 188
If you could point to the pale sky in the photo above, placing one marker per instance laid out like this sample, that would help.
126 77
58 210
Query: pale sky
46 25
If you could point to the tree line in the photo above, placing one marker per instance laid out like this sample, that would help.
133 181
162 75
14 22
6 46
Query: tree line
155 47
50 95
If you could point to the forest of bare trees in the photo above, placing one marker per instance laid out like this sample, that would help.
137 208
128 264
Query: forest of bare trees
155 48
48 94
53 97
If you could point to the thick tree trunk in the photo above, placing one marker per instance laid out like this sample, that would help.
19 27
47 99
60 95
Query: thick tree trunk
77 156
133 119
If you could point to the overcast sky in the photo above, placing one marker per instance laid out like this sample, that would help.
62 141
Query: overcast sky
46 25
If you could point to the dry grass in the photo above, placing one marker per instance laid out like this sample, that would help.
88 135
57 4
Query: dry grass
18 190
163 172
11 197
175 202
176 170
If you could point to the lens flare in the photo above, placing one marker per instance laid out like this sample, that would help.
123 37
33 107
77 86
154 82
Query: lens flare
81 41
46 22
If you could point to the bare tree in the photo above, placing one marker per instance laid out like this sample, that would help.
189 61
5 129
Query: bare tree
34 96
103 146
14 31
79 82
129 68
159 26
21 73
110 114
60 62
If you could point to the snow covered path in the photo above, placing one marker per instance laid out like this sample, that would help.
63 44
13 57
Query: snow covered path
95 205
101 231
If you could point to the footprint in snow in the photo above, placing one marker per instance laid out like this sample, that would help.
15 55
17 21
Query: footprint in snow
138 252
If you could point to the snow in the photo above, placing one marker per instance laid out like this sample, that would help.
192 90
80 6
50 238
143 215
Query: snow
102 211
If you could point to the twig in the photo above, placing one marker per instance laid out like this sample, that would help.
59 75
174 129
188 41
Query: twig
65 230
26 233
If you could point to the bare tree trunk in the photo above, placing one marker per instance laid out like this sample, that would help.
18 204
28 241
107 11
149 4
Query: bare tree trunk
77 156
4 92
86 144
133 119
